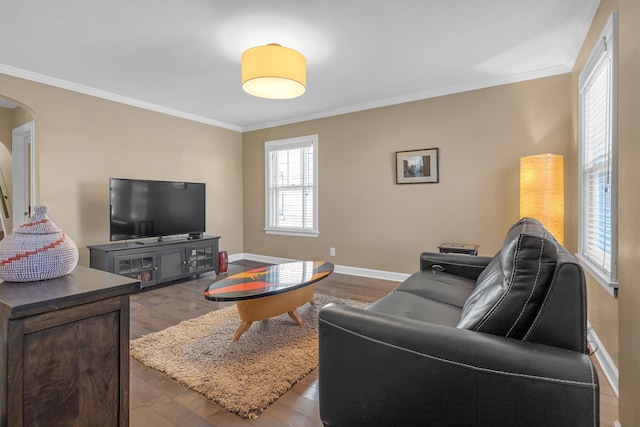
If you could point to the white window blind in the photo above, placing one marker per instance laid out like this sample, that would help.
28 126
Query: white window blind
598 172
291 191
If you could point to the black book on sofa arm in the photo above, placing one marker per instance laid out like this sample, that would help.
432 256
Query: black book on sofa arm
460 265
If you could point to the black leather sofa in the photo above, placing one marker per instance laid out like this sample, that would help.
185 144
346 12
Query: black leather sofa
466 341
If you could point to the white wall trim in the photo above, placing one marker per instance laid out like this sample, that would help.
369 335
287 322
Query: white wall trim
374 274
265 258
234 257
341 269
608 367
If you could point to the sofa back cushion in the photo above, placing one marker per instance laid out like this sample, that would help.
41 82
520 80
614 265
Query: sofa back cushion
509 292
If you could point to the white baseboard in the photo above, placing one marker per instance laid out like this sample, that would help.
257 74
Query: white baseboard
342 269
264 258
235 257
608 367
374 274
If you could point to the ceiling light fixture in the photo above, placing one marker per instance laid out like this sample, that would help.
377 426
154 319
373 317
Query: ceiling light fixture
274 72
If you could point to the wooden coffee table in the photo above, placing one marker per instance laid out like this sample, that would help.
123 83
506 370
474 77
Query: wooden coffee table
270 291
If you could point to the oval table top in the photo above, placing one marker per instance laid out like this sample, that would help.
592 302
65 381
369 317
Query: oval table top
268 280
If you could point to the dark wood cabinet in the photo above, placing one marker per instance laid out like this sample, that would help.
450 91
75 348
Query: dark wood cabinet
154 262
64 350
171 264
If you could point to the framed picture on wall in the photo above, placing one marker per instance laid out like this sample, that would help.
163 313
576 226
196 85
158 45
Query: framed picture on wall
417 166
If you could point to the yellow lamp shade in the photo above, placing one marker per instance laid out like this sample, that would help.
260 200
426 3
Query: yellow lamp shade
542 191
274 72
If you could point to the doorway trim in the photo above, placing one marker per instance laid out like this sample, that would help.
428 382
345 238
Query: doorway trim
23 143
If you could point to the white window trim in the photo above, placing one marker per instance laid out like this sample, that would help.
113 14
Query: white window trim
291 143
609 39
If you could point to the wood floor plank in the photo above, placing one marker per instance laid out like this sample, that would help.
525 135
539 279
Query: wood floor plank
198 404
158 401
146 416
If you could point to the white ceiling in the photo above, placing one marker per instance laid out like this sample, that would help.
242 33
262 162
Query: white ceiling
182 57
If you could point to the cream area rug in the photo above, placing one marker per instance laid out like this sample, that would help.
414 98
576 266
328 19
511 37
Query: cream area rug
245 376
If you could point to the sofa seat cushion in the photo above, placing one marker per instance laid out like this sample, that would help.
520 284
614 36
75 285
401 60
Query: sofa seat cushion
439 286
411 306
509 292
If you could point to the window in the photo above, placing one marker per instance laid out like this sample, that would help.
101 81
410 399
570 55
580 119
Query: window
598 159
291 186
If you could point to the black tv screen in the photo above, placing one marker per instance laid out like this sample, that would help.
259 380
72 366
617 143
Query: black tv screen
144 208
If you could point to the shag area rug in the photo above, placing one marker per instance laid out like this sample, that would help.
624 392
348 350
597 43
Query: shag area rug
246 376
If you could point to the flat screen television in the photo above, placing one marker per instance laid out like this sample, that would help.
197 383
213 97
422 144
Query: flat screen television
143 208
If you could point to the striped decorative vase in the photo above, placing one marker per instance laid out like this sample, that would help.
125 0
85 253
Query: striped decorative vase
37 250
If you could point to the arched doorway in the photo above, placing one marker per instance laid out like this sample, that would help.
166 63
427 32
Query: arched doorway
17 163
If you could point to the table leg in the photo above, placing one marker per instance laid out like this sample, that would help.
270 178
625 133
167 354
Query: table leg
244 327
251 310
295 316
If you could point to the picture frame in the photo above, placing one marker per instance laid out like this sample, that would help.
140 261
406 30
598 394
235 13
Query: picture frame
418 166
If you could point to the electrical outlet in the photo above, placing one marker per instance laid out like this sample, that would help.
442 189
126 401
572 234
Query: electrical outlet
332 251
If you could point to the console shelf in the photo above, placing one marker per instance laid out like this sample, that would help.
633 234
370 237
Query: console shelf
155 262
64 358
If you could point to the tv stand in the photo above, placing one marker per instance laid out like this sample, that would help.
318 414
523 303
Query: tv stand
155 262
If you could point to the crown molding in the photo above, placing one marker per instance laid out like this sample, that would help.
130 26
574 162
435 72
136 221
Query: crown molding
86 90
417 96
581 31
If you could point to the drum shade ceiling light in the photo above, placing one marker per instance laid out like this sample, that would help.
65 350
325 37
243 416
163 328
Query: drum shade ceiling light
274 72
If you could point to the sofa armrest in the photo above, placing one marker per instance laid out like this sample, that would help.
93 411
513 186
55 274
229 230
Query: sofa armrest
379 369
458 264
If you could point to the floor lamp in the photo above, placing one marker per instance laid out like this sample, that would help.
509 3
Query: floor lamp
542 191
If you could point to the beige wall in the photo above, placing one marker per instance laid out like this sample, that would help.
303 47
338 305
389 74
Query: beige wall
629 205
616 321
81 141
374 223
6 124
602 307
11 118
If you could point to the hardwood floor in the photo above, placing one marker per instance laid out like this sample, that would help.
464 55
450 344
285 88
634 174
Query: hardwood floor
158 401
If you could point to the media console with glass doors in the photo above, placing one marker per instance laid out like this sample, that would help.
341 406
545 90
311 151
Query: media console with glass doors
155 262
